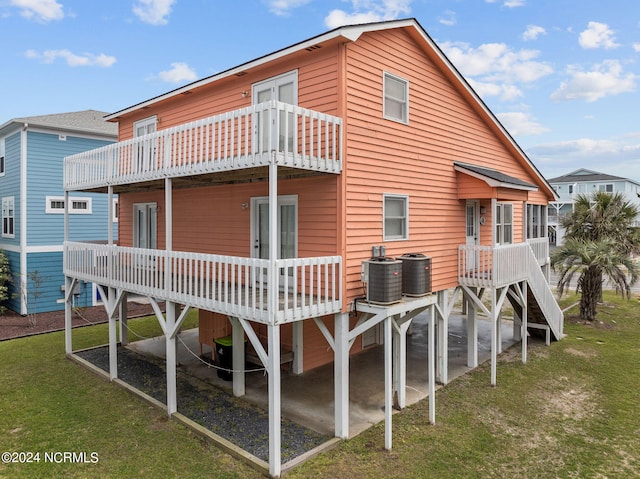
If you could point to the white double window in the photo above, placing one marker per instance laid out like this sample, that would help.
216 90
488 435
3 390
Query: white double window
77 205
8 217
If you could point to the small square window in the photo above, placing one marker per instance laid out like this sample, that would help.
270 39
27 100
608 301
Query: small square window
8 217
396 217
396 98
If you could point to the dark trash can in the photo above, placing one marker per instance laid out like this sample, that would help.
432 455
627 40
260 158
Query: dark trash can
224 357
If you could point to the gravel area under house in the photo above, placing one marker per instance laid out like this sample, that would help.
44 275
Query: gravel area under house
243 424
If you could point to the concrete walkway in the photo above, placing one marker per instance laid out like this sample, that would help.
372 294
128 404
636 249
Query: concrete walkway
308 398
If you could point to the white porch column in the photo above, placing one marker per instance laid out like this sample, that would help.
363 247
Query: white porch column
68 337
494 336
68 342
400 361
523 323
388 383
298 347
499 331
341 375
273 331
472 333
171 348
238 348
443 338
113 335
432 364
123 315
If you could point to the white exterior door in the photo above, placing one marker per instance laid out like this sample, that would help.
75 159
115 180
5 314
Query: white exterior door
287 224
282 88
145 225
472 231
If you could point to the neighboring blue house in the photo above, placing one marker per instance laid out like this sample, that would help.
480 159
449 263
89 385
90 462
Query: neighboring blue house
585 182
32 150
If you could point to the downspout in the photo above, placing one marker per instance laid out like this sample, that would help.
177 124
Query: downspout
23 220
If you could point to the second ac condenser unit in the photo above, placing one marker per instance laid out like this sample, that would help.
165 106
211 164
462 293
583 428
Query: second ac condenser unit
383 278
416 274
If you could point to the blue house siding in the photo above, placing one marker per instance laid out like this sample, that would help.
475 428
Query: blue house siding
46 154
10 185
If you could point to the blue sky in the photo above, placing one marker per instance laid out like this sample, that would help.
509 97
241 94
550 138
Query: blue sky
561 75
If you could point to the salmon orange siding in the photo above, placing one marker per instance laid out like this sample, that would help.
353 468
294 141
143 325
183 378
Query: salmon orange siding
343 214
415 159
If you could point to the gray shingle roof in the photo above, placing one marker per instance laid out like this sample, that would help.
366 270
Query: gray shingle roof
495 175
89 121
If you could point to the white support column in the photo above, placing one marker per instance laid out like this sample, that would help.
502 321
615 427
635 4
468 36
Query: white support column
472 333
123 315
499 331
432 364
68 341
388 383
171 349
400 361
110 215
494 337
238 347
273 332
68 337
298 347
341 375
524 320
113 335
443 338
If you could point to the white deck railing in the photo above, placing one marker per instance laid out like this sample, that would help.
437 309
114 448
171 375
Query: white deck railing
249 137
500 266
305 287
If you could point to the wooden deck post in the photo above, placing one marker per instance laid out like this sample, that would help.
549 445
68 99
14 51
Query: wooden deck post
388 383
275 466
472 332
238 348
171 350
443 338
494 336
113 334
341 375
432 364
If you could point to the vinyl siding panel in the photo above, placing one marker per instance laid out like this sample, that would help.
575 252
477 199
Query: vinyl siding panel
416 159
10 184
13 303
45 161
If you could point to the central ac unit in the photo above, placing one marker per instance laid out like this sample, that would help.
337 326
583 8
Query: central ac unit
383 279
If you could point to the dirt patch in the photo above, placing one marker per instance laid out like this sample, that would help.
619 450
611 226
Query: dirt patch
580 353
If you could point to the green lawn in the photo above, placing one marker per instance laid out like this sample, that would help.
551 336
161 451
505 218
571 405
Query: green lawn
572 412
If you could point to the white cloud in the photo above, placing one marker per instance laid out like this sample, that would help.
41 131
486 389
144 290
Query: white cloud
597 35
521 124
636 47
514 3
39 10
617 156
448 18
72 59
504 91
180 72
605 79
284 7
365 11
154 12
496 62
533 32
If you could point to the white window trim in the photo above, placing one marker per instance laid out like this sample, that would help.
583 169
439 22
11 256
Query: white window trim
385 75
602 187
12 201
60 211
145 122
384 217
115 209
500 224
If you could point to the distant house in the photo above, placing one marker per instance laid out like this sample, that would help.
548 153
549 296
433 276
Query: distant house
258 196
585 182
32 150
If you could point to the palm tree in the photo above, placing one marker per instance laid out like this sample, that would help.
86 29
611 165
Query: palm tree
590 260
600 242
